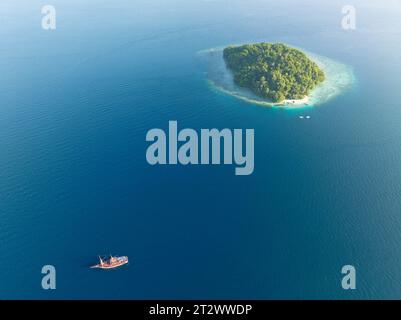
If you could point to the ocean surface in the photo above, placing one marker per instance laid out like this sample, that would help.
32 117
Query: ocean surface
77 102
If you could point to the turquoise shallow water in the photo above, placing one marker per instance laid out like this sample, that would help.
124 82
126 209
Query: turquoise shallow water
75 107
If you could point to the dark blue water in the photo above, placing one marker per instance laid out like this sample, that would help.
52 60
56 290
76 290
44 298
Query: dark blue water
76 104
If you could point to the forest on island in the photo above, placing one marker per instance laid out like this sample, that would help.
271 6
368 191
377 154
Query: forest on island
273 71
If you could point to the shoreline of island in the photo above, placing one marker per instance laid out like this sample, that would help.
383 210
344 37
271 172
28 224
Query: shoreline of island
339 78
284 104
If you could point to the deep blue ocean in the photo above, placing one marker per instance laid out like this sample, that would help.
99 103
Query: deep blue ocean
76 104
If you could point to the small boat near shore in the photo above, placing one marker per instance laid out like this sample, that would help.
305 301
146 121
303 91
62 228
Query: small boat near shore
111 263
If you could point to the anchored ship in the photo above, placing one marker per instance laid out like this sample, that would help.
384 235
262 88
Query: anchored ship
111 263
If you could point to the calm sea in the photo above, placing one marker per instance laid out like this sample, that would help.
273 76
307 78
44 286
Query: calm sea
75 106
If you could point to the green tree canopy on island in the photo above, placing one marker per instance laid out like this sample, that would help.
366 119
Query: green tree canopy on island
273 71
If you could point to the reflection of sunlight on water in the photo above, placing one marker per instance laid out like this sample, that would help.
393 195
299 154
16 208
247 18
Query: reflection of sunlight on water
339 77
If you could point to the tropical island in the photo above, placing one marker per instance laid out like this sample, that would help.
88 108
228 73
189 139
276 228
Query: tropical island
275 72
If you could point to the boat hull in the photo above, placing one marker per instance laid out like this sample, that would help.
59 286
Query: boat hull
111 265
